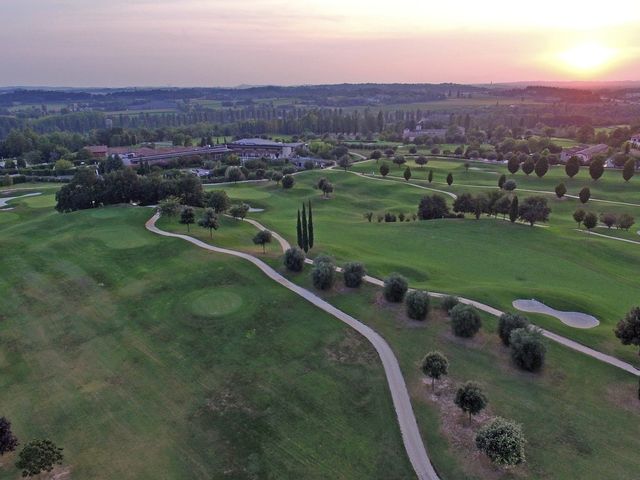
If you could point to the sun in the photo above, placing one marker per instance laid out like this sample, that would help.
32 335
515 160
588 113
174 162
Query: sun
587 57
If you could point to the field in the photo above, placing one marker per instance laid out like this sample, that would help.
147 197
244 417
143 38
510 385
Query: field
145 357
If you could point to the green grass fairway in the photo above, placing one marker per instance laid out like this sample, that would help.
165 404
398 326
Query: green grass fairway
146 358
488 260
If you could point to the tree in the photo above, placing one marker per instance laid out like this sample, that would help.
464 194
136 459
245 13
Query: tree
399 160
509 322
464 203
628 329
376 155
39 456
449 302
584 194
432 207
353 273
466 167
501 180
609 219
305 229
299 230
542 167
170 206
510 185
407 174
430 177
596 168
534 209
218 200
514 210
503 206
63 164
287 182
434 366
590 220
187 217
629 169
277 176
527 348
422 161
513 164
528 166
572 167
209 220
449 179
262 238
384 169
625 221
310 228
327 188
465 320
113 163
233 174
323 273
578 216
561 190
417 304
395 288
294 259
239 210
344 162
471 399
503 442
8 441
7 180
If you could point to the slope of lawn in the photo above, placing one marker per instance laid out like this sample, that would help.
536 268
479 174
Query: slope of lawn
488 260
146 357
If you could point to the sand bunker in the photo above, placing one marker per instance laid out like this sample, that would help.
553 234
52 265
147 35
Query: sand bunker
573 319
6 200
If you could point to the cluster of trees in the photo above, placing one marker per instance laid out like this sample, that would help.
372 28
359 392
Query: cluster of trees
622 221
323 274
37 456
304 228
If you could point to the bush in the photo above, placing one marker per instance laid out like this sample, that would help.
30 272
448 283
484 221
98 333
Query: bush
353 273
527 349
510 185
417 305
471 399
509 322
465 321
395 288
502 441
287 182
435 365
294 259
324 273
449 302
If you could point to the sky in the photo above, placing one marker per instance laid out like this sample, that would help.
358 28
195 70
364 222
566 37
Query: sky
117 43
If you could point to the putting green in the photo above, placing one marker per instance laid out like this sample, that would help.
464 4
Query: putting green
214 302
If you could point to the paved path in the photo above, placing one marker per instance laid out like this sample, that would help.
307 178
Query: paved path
5 201
375 177
607 236
408 426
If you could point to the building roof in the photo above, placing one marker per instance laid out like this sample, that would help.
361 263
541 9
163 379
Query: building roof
262 142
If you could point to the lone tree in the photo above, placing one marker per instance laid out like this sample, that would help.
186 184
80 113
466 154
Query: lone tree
209 220
449 179
527 349
435 365
310 233
465 320
8 441
305 229
578 216
395 288
430 176
422 161
407 174
323 274
629 169
353 273
534 209
399 160
514 210
299 231
471 399
376 155
170 206
596 168
528 166
187 217
287 182
590 220
542 167
262 238
625 221
561 190
218 200
509 322
294 259
384 169
501 180
344 162
585 195
417 304
513 164
572 167
39 456
503 442
628 329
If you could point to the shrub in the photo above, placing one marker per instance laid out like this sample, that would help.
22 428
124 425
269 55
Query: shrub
435 365
449 302
561 190
509 322
395 288
294 259
417 305
323 273
353 273
527 349
584 194
609 219
287 182
465 321
471 399
590 220
510 185
502 441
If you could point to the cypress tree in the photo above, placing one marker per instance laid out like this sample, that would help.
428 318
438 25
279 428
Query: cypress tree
305 229
299 230
310 227
513 210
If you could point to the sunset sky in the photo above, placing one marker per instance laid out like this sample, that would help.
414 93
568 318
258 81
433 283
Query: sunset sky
214 42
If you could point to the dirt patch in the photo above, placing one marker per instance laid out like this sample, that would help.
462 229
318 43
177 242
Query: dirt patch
227 400
624 395
353 349
461 433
